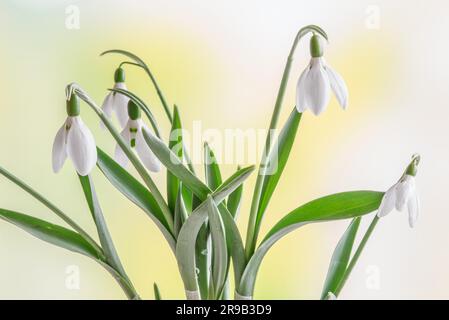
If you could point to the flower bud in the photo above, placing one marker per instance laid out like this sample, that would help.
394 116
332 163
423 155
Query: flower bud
316 50
73 106
119 75
133 110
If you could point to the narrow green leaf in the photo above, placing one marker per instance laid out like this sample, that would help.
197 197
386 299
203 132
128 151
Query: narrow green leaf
276 161
102 229
340 258
51 233
180 212
157 293
232 183
211 168
185 246
333 207
234 200
175 166
175 145
8 175
219 246
134 191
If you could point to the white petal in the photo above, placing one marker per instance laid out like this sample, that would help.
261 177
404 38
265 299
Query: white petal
59 152
339 87
405 188
317 87
413 210
300 91
119 155
121 105
107 107
146 155
388 202
81 147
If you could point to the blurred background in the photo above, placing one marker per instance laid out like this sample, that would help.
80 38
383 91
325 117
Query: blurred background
222 62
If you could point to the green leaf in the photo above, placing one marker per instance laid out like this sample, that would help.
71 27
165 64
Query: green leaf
234 200
50 206
232 183
174 144
51 233
211 169
333 207
185 246
340 258
234 243
134 191
276 161
157 293
219 246
139 102
175 166
180 212
102 229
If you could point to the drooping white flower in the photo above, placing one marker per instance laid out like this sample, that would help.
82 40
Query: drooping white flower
403 194
132 134
74 140
317 81
117 102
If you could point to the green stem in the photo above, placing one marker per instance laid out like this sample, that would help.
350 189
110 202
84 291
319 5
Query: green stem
132 157
253 228
252 233
50 206
356 256
124 283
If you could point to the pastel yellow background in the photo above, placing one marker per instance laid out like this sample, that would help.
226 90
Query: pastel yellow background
221 62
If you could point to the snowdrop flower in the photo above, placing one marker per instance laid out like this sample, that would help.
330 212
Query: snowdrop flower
316 82
132 134
402 194
74 140
116 102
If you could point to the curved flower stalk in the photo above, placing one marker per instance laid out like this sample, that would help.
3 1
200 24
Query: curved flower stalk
132 134
74 140
116 102
317 81
255 216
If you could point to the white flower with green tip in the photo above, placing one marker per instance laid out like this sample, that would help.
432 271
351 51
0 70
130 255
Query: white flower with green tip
403 194
132 134
316 82
74 140
117 102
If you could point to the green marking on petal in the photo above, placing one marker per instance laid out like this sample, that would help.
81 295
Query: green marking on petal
133 143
